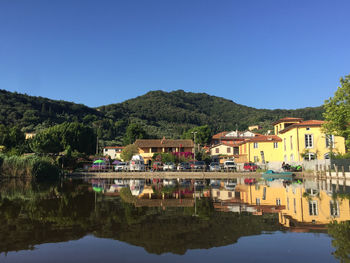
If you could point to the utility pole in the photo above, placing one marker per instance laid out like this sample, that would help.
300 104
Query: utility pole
97 145
194 144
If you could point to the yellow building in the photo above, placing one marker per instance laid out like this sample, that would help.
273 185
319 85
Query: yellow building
296 203
313 207
264 148
148 147
305 140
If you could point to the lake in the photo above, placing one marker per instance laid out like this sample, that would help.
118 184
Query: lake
174 220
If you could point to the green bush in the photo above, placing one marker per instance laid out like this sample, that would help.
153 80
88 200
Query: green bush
43 169
28 166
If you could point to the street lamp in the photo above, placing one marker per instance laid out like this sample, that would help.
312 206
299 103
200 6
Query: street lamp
194 143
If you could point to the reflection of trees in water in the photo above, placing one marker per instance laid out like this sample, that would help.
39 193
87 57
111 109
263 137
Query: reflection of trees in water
70 211
341 239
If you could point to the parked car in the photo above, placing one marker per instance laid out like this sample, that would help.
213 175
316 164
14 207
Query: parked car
199 165
251 167
230 166
215 183
230 185
214 167
183 166
122 166
157 166
169 166
137 163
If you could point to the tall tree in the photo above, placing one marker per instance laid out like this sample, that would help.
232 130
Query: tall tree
128 152
133 132
76 136
203 134
337 111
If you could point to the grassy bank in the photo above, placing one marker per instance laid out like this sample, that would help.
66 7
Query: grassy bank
28 166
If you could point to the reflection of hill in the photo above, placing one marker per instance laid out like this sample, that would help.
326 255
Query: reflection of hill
74 213
176 233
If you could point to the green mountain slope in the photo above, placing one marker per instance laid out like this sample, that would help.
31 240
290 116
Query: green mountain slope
171 113
161 113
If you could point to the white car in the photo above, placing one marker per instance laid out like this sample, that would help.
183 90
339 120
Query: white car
122 166
169 166
214 167
230 165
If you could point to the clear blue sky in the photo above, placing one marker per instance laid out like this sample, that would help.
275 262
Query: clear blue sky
260 53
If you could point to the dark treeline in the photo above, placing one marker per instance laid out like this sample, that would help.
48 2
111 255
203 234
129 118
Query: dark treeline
158 113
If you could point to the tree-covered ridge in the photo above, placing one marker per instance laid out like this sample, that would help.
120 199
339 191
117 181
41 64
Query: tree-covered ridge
29 111
175 112
159 113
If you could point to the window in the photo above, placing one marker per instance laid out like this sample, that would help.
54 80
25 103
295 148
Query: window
153 149
292 157
313 209
256 159
285 158
309 156
275 145
278 201
288 203
228 150
312 191
334 208
255 145
309 141
229 194
285 144
295 206
291 142
329 141
258 201
217 193
217 150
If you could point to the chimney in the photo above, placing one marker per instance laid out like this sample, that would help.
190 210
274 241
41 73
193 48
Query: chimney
163 140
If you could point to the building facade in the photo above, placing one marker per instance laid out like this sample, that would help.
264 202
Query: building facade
113 151
148 147
305 140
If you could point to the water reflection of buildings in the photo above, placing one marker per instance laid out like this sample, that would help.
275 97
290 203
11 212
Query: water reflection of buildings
300 206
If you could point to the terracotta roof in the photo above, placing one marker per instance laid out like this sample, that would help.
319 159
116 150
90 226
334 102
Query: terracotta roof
220 134
163 143
228 143
309 123
231 143
264 138
288 119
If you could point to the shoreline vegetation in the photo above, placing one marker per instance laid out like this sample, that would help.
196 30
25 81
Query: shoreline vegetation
28 166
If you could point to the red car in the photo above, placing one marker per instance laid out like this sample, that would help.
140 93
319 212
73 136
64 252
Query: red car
157 166
249 181
251 167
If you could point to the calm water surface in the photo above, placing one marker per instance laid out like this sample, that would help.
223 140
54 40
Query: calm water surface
174 221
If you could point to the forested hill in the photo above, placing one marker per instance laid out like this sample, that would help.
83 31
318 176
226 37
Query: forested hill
174 112
161 113
33 113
